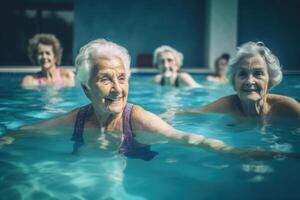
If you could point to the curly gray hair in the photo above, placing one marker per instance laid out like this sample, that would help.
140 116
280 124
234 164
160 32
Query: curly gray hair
99 48
252 48
178 55
46 39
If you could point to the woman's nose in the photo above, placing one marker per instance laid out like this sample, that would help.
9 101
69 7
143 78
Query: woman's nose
43 55
250 79
116 87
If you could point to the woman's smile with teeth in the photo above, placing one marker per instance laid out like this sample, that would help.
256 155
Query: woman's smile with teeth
116 99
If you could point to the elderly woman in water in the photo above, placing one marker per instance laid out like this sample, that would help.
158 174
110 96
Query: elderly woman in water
168 61
45 50
253 72
112 123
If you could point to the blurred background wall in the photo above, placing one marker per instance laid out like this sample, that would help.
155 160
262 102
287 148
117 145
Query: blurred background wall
201 29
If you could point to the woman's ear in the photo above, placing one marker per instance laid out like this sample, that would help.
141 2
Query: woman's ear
233 84
86 91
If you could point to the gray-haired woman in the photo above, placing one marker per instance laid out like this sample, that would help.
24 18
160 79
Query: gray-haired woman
168 61
253 72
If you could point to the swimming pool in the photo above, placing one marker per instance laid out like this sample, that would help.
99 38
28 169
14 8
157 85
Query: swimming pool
41 167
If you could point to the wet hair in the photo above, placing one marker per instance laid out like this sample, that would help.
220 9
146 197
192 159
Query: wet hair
253 48
99 48
45 39
164 48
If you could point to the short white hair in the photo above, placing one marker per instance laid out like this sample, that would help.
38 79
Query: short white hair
164 48
252 48
99 48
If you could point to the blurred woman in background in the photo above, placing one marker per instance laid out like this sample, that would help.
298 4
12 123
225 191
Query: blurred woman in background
45 50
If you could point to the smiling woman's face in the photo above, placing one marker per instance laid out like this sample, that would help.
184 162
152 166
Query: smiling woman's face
167 64
251 80
108 85
45 56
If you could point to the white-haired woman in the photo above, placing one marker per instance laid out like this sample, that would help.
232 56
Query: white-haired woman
169 61
113 124
253 72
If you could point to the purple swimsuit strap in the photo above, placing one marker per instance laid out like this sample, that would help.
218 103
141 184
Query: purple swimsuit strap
126 121
77 136
129 146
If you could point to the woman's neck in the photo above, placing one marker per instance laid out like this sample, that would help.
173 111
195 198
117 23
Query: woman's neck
49 73
105 120
170 80
255 108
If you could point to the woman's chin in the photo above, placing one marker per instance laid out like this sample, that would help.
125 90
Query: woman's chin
252 97
115 107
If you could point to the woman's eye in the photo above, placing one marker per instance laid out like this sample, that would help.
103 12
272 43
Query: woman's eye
121 78
104 80
242 74
258 73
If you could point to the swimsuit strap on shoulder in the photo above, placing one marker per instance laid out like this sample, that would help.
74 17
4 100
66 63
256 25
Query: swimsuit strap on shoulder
77 136
126 121
130 147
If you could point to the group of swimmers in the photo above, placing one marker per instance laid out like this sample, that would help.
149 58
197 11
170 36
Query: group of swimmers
103 70
45 50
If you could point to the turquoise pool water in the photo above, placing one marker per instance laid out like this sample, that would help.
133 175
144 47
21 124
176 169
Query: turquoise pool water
41 167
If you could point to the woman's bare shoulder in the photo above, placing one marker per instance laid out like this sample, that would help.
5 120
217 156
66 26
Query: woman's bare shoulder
284 104
67 72
223 104
29 80
157 78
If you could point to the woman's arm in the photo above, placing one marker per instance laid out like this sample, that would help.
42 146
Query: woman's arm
156 79
56 125
188 80
147 125
29 81
69 77
66 120
222 105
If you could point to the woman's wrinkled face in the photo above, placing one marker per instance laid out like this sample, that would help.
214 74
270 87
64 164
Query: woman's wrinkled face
108 85
45 56
251 79
167 64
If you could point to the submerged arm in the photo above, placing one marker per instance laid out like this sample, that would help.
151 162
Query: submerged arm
47 127
55 122
221 106
146 125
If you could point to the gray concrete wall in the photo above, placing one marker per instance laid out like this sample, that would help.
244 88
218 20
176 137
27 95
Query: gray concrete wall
221 32
141 26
